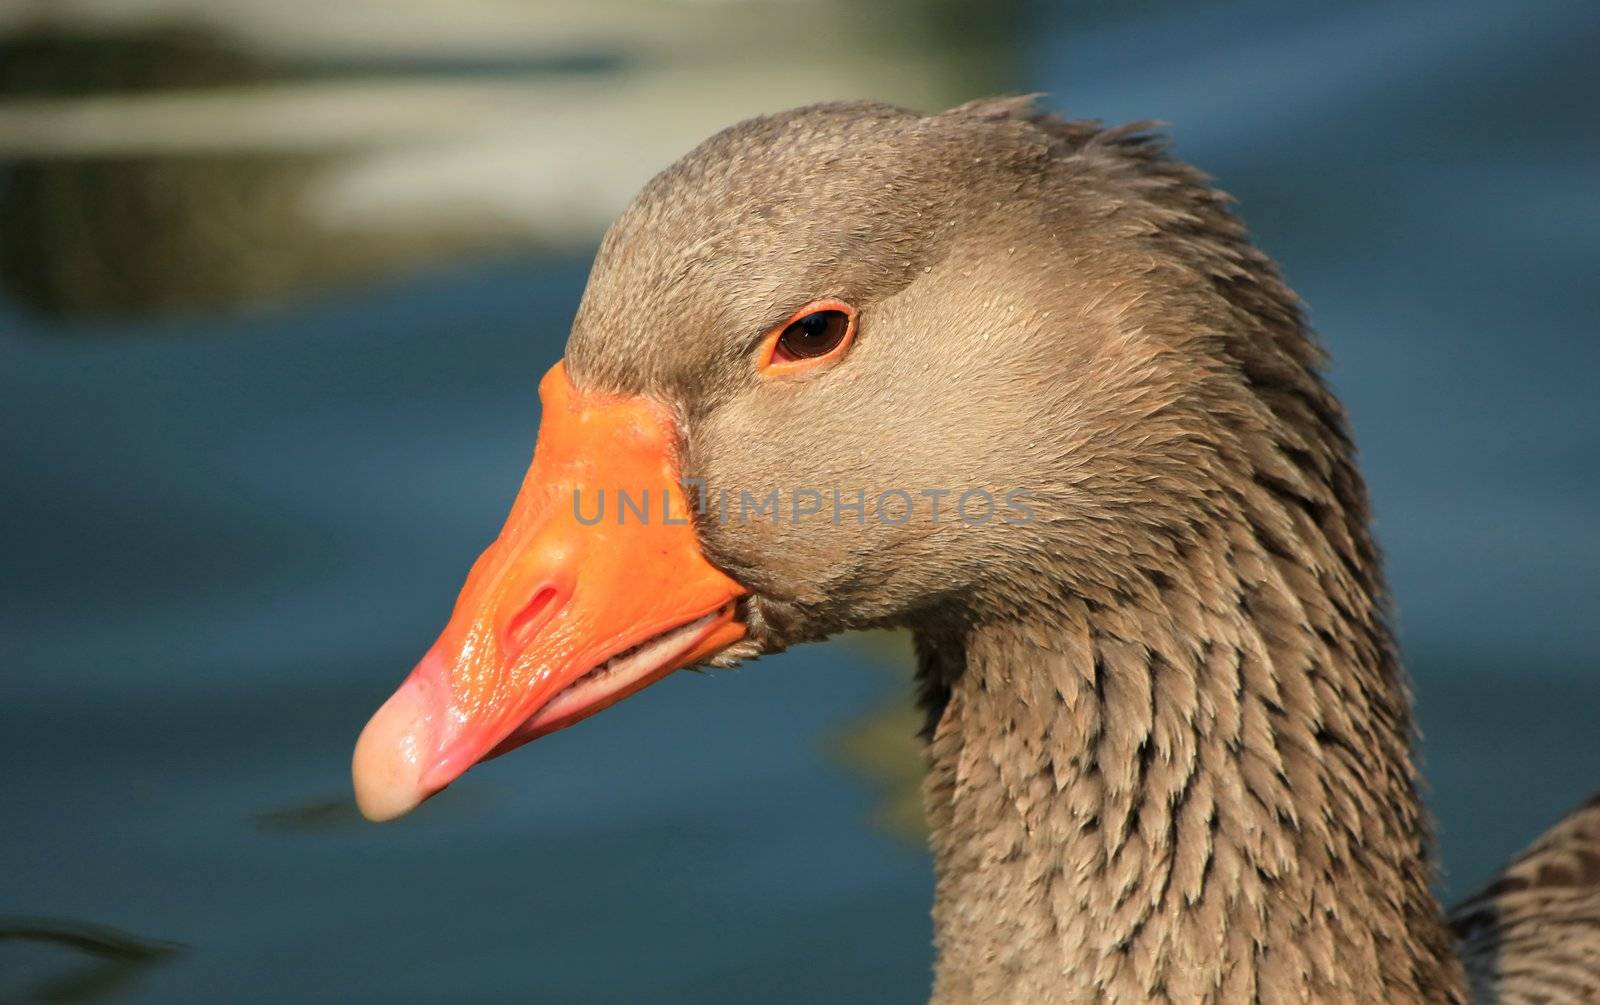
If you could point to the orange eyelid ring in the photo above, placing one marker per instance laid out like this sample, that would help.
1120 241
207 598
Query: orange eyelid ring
772 363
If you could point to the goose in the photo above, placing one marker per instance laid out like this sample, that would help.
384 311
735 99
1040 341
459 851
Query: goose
1023 386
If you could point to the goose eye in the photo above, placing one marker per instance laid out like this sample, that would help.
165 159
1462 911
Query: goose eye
817 332
813 335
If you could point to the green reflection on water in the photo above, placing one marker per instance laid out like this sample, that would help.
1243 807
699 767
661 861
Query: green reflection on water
883 745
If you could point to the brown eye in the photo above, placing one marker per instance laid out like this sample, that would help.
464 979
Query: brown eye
819 331
813 335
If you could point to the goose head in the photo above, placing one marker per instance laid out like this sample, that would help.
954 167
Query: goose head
840 368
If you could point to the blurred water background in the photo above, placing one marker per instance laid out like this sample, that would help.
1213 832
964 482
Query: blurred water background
280 281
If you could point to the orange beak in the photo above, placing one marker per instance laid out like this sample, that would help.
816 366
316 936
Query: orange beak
595 588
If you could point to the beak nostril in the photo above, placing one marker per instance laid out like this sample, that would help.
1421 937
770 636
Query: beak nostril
520 629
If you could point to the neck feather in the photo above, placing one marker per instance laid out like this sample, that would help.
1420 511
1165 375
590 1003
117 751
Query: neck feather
1170 760
1194 788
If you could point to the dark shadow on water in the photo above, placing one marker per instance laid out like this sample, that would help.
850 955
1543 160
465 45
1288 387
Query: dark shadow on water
337 812
314 816
103 961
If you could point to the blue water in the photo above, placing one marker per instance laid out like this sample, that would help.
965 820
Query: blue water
225 541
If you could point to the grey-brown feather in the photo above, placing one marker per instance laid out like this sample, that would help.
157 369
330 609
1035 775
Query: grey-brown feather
1532 935
1169 737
